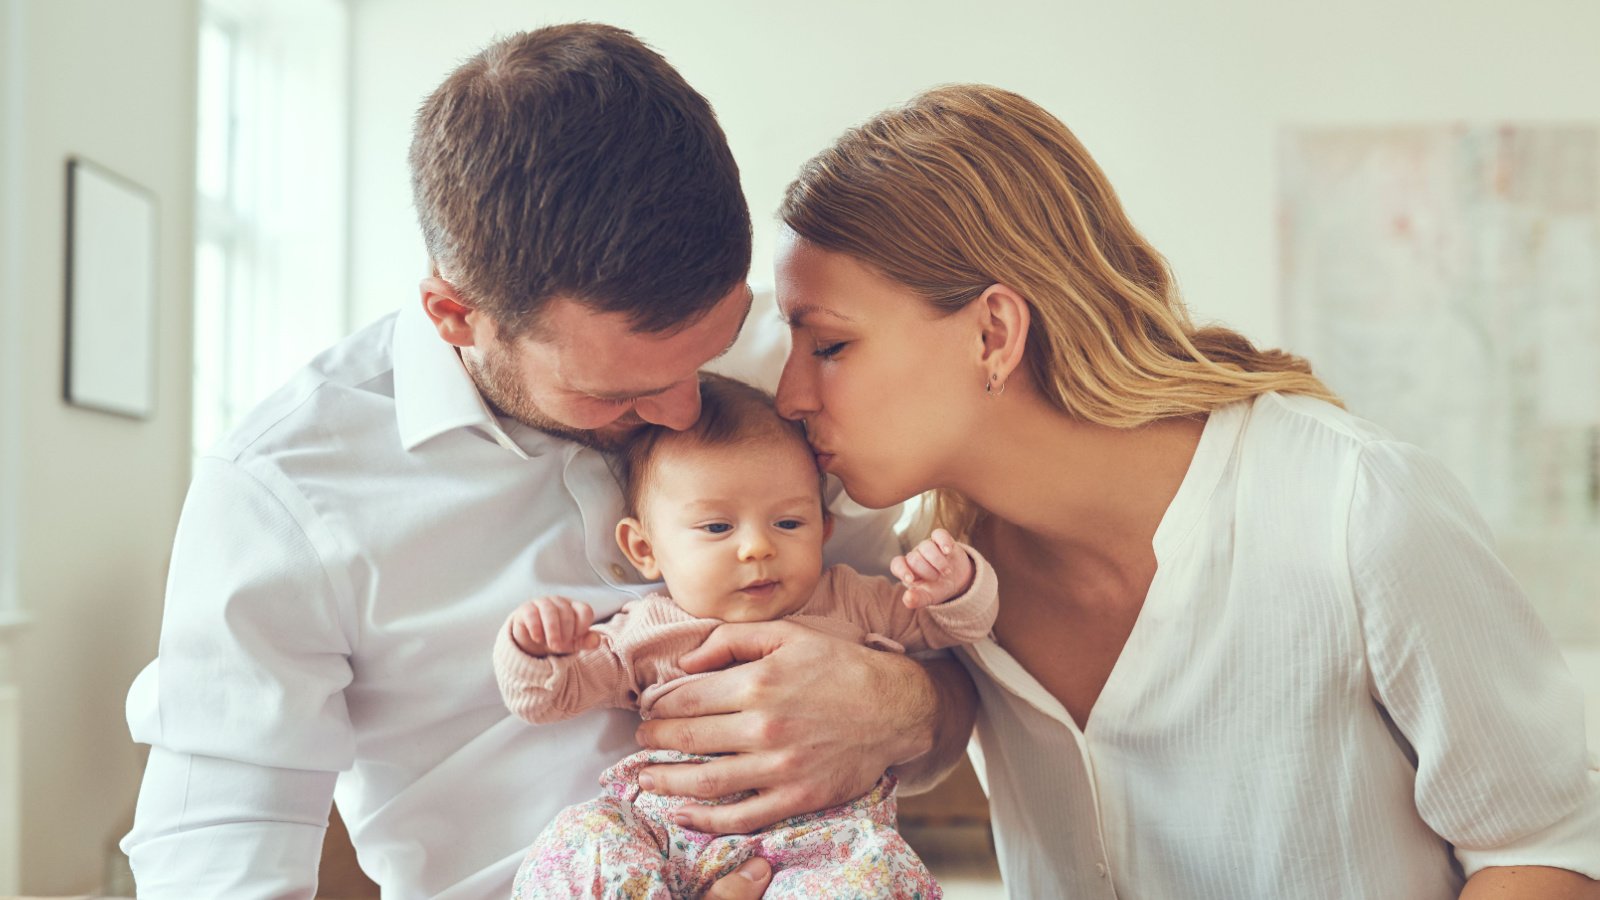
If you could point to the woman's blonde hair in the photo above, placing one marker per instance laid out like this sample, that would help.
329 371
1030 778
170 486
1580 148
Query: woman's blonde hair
968 186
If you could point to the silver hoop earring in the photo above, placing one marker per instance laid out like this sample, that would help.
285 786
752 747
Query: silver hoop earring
988 387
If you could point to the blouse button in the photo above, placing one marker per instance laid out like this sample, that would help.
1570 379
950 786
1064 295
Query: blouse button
617 571
1100 869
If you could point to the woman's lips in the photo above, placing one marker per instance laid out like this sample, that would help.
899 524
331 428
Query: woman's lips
823 460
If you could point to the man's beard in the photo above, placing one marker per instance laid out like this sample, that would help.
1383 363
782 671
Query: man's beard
496 379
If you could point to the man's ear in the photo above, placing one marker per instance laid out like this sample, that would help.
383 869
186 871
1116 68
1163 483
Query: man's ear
450 314
1003 321
635 545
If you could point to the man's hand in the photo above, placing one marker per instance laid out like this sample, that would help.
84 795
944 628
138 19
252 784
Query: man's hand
808 721
935 571
553 626
747 882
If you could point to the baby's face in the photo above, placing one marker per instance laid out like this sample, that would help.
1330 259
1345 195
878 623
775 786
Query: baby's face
735 531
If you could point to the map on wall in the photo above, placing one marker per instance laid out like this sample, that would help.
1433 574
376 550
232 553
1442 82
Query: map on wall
1445 281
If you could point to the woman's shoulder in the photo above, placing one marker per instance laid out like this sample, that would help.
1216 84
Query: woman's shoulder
1305 427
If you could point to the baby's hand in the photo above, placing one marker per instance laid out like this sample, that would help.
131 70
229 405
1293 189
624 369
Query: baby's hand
553 626
934 571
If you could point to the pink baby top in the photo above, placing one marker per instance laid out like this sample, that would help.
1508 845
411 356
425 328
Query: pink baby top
637 660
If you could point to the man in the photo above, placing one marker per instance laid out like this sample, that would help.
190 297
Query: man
345 557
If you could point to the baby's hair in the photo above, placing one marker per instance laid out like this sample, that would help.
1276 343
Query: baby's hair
731 412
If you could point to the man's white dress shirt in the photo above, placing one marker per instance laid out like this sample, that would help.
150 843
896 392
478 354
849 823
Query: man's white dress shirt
1333 690
341 568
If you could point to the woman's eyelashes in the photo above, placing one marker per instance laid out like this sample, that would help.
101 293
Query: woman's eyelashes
829 351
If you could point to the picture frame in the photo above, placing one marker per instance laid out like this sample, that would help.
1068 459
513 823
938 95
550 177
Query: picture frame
110 353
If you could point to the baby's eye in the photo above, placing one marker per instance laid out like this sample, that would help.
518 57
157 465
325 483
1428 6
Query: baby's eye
717 528
828 351
790 524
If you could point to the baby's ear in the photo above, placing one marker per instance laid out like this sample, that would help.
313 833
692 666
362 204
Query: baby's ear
827 524
635 545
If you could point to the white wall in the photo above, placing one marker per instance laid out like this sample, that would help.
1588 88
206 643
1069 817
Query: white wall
96 496
1179 101
10 439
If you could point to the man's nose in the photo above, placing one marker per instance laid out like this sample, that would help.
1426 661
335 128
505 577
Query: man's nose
676 409
796 397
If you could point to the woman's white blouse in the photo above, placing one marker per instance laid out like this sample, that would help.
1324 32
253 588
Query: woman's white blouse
1334 689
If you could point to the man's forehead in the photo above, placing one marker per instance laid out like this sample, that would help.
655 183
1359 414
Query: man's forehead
600 353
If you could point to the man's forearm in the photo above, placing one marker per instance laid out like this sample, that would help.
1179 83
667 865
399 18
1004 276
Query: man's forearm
946 711
1528 883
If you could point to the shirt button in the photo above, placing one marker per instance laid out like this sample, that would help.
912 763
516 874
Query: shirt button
617 571
1100 869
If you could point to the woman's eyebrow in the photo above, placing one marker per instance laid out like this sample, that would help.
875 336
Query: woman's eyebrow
797 317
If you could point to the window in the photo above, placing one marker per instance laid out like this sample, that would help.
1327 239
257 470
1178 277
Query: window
271 202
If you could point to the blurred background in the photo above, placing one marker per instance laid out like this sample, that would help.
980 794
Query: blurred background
1406 191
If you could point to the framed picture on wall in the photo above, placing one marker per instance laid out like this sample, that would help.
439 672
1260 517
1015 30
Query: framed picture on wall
111 292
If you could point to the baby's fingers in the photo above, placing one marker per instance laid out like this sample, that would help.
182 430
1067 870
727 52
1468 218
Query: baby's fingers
916 597
921 566
528 634
558 618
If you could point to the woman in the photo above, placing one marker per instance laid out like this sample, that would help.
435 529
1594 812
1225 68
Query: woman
1248 645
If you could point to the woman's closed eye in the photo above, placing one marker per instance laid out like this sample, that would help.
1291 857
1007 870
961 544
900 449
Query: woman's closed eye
829 351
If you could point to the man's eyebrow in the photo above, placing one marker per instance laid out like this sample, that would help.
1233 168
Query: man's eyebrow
797 317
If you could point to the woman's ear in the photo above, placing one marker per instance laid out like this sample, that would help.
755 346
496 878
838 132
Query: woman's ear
1003 321
450 314
635 545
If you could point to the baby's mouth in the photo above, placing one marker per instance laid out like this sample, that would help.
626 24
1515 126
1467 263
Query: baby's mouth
760 588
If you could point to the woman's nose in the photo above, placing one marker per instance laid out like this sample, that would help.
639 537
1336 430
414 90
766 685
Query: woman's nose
797 396
676 409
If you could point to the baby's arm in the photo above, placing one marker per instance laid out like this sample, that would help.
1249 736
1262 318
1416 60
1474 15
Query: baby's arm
553 663
935 571
961 603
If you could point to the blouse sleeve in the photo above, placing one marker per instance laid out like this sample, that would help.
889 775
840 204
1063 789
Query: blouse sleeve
1468 673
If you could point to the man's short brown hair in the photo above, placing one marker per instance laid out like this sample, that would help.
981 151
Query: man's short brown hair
574 162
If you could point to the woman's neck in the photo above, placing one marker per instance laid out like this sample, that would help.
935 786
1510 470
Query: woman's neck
1078 494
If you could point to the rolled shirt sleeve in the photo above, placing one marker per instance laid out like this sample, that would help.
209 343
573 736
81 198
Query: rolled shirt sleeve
244 706
1468 673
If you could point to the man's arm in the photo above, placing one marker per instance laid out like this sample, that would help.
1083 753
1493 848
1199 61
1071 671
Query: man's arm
956 705
244 708
209 827
806 722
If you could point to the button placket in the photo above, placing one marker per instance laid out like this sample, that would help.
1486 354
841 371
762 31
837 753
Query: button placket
588 479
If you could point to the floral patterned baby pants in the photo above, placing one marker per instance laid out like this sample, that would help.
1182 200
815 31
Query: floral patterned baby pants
623 844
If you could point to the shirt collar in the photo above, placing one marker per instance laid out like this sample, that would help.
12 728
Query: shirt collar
433 393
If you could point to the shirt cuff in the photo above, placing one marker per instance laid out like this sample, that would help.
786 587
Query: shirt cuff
1573 843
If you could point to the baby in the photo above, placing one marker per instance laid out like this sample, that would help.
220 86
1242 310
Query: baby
730 515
